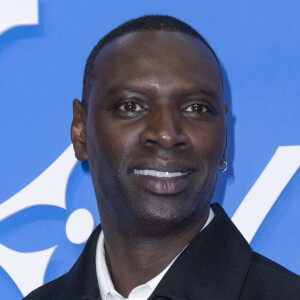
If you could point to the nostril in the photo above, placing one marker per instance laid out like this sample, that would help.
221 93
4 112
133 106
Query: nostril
150 142
166 141
182 144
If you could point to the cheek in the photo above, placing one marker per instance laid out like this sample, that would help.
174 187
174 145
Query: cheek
209 143
111 140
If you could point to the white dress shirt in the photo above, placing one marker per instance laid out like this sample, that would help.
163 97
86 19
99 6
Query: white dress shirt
141 292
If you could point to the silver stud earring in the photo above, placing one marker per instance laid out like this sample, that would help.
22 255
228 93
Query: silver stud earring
223 166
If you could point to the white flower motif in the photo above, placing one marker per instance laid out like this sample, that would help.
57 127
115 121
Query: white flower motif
15 13
28 269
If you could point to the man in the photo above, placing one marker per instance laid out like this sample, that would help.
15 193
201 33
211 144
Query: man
152 126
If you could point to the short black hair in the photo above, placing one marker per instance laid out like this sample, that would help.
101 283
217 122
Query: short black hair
144 23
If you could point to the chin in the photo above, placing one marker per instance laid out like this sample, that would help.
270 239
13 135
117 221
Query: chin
158 215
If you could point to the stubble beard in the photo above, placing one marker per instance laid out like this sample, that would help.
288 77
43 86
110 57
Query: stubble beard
141 215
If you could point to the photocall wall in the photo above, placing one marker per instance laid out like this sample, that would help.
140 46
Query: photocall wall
47 204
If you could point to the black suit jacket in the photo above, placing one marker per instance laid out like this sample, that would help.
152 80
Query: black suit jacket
217 264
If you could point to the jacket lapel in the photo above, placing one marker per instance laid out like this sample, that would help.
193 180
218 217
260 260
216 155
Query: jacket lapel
81 281
213 266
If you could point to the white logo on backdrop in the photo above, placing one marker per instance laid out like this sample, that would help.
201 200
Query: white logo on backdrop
28 269
266 190
15 13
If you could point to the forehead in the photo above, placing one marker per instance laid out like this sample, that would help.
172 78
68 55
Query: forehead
162 58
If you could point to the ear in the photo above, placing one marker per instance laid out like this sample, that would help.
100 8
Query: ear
78 130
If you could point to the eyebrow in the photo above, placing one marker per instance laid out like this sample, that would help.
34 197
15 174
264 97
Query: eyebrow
122 87
198 89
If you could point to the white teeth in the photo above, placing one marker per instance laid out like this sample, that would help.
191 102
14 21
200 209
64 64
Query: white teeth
158 173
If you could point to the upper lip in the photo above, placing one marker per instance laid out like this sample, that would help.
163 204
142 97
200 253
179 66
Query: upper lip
163 166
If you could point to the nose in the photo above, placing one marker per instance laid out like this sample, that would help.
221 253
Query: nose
164 129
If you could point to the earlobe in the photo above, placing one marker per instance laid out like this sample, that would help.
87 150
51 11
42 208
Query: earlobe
226 108
78 131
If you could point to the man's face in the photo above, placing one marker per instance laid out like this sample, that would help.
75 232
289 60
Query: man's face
156 132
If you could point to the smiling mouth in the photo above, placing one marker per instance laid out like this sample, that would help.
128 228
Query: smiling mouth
160 174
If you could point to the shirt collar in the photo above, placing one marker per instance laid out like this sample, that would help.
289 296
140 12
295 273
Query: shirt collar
140 292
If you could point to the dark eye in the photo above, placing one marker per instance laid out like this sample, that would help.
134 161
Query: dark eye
196 108
131 107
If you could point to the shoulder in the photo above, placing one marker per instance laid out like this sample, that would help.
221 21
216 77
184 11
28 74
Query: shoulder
50 291
269 280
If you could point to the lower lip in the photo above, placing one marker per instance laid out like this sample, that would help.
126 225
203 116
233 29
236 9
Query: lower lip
163 185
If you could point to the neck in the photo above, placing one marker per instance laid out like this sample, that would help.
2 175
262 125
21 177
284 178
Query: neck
133 259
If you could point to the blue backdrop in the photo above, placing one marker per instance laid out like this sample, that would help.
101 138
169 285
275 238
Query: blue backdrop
41 70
